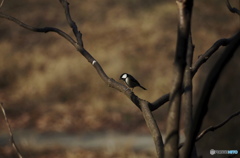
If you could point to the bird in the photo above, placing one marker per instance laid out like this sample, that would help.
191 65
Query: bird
130 81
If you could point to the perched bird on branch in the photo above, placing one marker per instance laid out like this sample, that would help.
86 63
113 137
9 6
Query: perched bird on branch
130 81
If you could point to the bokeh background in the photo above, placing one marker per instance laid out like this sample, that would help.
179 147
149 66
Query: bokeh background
49 90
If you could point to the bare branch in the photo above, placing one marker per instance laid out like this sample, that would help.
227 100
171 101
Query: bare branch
153 127
10 132
188 98
159 102
201 60
71 23
202 106
172 132
109 81
141 104
231 9
36 29
213 128
1 3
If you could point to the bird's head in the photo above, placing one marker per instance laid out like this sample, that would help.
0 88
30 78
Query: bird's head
123 76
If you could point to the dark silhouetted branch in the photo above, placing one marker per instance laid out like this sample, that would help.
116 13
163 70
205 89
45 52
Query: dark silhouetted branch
79 46
36 29
213 128
10 132
231 9
201 60
188 99
172 131
202 106
109 81
153 127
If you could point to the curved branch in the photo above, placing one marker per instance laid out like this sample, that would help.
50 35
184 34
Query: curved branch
213 128
109 81
231 9
140 103
202 106
201 60
71 23
1 3
153 127
36 29
10 132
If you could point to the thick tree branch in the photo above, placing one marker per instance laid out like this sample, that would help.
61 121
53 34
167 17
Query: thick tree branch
172 132
109 81
188 98
143 105
201 60
202 106
10 132
153 127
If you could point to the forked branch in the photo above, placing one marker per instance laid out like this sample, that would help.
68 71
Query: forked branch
151 123
173 120
201 60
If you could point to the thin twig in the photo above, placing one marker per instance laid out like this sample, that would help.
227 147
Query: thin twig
38 29
1 3
213 128
232 9
10 132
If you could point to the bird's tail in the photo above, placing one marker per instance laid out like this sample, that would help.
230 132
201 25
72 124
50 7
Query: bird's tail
142 87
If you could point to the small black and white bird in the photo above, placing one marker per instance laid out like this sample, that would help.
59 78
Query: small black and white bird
130 81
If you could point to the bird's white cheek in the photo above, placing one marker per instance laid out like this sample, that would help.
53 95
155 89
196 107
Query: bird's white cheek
127 80
124 76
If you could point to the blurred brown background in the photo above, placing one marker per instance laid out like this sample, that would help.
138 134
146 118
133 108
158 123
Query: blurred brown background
49 89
